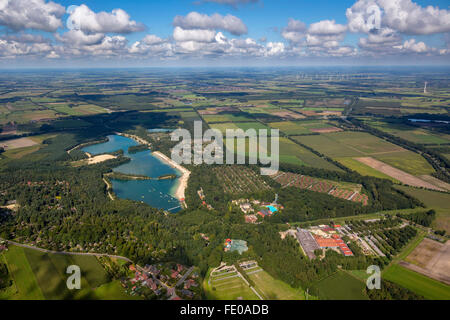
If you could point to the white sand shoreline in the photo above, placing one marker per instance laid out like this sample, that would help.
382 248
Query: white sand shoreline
183 180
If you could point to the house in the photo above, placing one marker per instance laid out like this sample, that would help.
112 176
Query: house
190 283
187 293
251 218
174 274
179 267
264 212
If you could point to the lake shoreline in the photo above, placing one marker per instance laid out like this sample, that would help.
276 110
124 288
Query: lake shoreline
185 173
183 180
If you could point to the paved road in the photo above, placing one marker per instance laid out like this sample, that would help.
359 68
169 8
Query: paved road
185 276
64 252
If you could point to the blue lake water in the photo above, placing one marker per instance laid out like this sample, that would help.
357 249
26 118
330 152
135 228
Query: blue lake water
156 193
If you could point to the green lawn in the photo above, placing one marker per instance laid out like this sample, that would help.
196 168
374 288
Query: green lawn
26 285
341 286
274 289
420 284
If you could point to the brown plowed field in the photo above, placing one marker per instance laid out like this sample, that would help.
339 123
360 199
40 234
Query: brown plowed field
398 174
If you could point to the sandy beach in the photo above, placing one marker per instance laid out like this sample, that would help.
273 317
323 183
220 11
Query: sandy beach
100 158
183 181
135 138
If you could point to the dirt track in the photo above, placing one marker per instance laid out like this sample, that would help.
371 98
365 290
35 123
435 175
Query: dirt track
398 174
17 143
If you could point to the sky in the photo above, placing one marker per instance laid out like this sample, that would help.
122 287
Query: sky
118 33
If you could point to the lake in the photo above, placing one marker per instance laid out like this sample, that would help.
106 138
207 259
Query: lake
156 193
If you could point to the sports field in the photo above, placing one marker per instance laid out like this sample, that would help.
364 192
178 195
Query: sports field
341 286
273 289
39 275
422 285
227 287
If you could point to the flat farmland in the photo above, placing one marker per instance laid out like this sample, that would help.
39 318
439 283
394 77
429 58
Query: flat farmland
408 161
290 152
435 200
239 125
38 275
25 285
433 257
413 134
88 109
209 118
303 127
398 174
341 145
348 144
363 169
418 283
17 143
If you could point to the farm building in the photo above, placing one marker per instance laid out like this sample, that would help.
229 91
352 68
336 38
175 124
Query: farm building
334 242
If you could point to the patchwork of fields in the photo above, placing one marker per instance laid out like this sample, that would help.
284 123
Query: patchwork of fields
348 147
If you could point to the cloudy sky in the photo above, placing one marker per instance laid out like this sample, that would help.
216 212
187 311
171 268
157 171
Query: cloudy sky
63 33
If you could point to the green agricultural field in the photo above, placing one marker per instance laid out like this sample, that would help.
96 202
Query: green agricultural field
290 127
340 286
363 169
239 125
39 275
438 201
349 144
341 145
407 161
273 289
88 109
420 284
25 285
410 133
65 109
224 118
252 125
290 152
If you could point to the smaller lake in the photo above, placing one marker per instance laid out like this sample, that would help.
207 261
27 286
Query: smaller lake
156 193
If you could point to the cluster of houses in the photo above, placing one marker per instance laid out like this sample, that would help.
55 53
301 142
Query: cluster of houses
254 208
165 281
202 197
